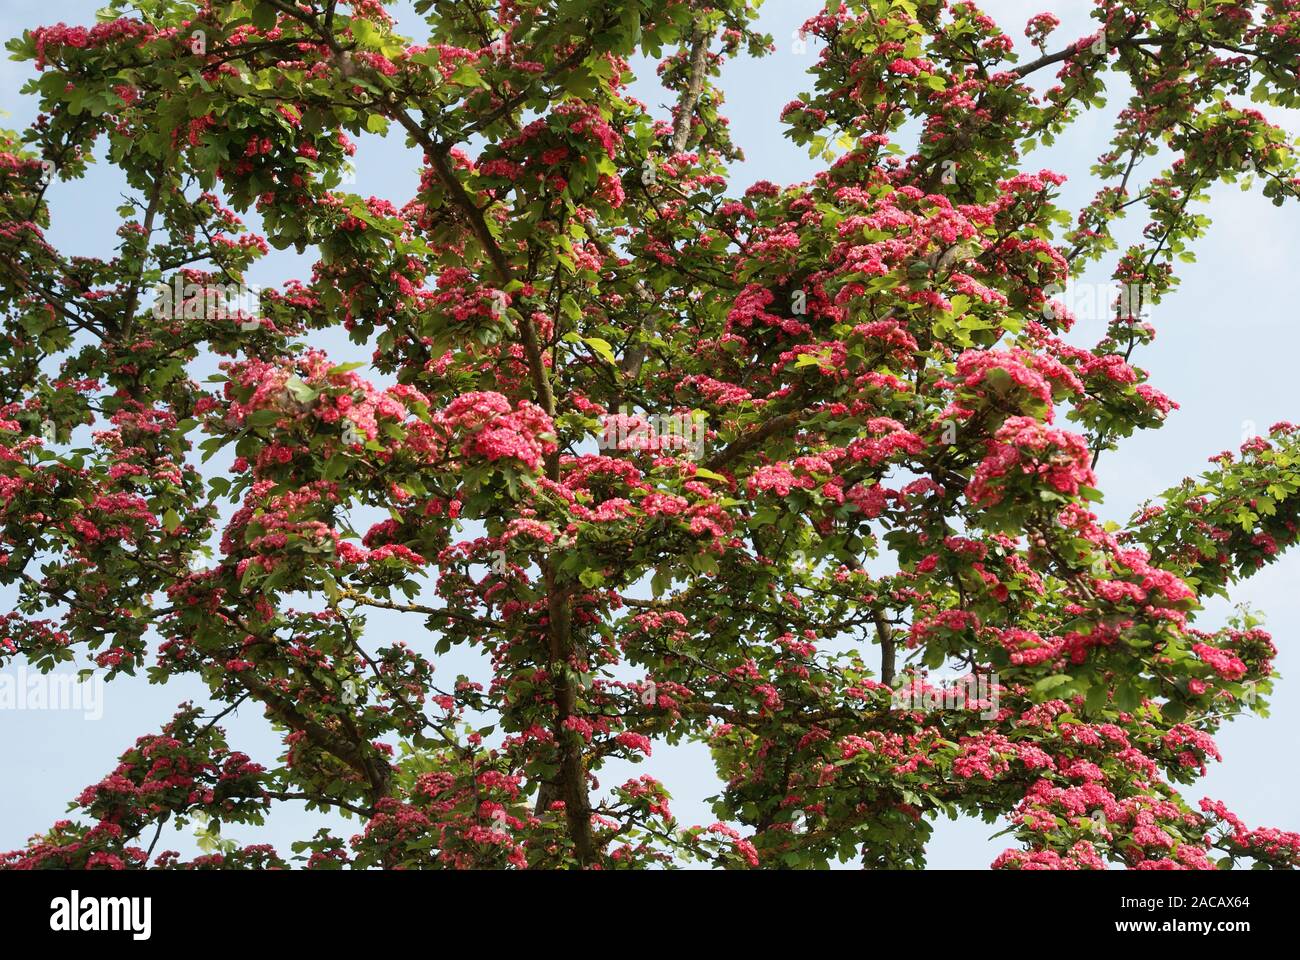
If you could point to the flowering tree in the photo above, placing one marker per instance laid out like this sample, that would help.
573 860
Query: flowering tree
882 462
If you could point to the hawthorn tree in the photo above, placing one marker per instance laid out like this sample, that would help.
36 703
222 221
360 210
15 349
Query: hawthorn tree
882 466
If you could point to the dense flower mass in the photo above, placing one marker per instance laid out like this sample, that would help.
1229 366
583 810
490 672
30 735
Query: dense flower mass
1024 449
491 429
665 458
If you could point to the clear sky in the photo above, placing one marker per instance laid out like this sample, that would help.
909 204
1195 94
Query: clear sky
1223 352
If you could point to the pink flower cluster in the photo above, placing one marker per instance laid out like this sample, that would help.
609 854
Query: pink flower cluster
490 428
1225 664
1024 446
1039 376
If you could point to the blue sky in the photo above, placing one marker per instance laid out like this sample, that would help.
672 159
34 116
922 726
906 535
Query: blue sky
1222 352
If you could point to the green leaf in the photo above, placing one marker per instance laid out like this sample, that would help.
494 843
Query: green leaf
265 16
335 467
1174 711
364 32
1127 697
1096 699
300 390
602 347
1051 683
660 582
467 76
